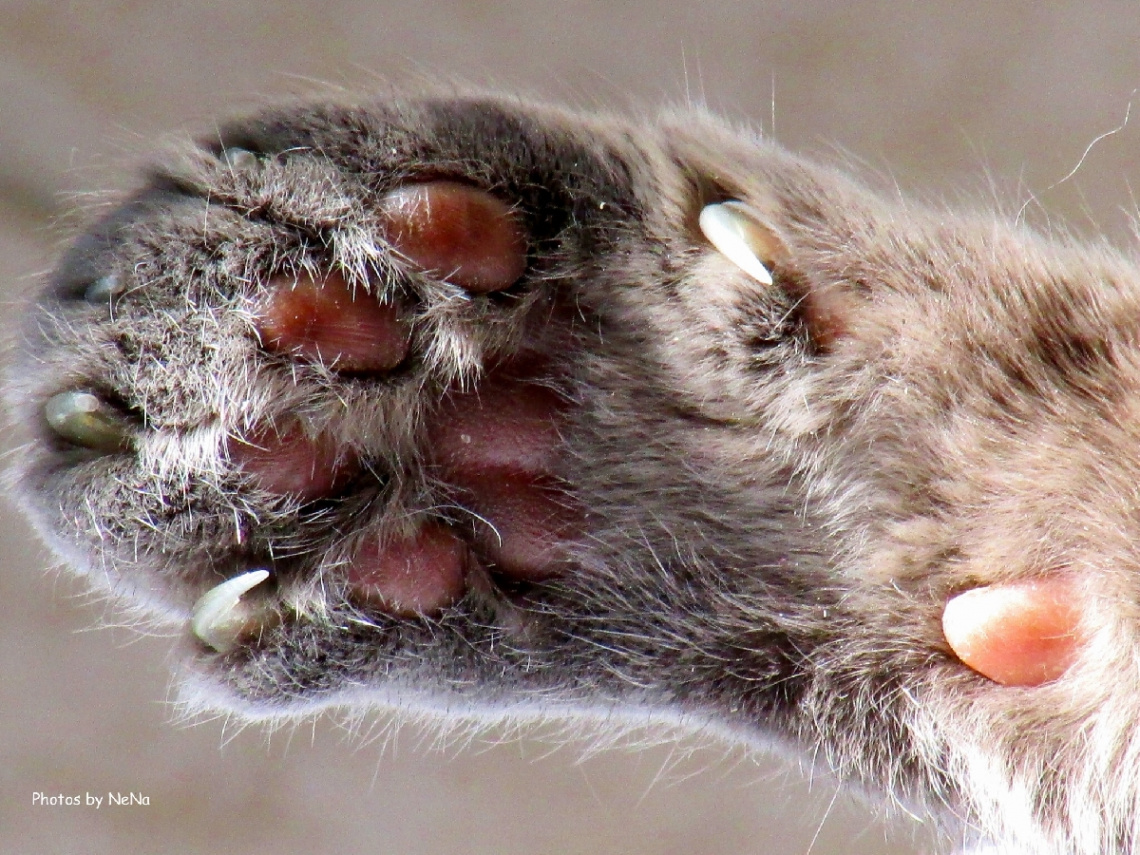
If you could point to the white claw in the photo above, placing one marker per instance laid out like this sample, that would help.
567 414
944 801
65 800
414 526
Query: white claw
221 619
738 237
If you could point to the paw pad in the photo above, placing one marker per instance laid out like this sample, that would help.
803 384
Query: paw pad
456 233
1018 633
291 463
421 574
330 323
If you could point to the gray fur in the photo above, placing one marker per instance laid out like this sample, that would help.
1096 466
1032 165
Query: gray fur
784 484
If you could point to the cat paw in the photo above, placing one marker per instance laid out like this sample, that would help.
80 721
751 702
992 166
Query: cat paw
465 404
304 400
466 397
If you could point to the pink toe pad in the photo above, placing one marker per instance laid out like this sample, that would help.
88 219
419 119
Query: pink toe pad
292 463
328 322
457 233
418 575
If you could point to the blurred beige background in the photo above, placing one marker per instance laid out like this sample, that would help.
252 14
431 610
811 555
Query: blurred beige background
971 101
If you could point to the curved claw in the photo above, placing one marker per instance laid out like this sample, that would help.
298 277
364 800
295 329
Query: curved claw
220 619
737 236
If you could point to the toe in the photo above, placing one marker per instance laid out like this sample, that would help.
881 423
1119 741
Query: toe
497 448
327 321
289 462
457 233
421 574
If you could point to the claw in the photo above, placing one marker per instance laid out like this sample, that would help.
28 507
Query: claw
739 238
221 618
86 420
